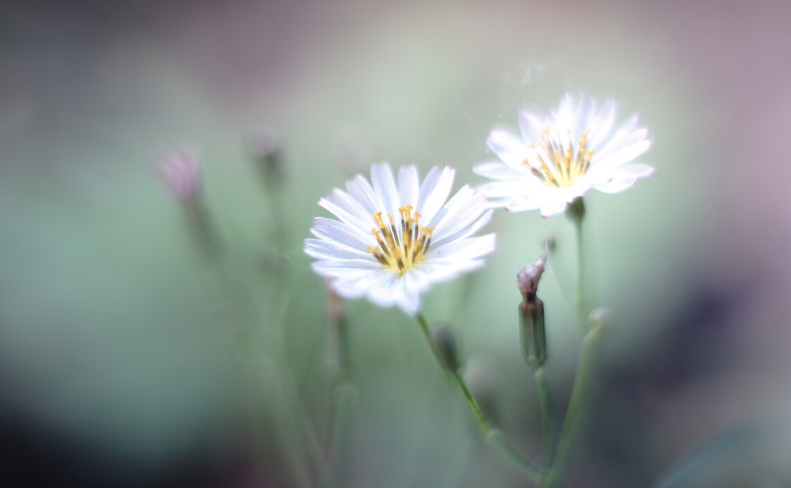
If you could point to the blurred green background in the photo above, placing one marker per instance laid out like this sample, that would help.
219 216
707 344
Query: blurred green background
122 356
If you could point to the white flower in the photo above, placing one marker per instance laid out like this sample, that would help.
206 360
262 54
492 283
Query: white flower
562 155
393 241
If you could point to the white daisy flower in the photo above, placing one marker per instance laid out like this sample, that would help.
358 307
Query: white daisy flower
562 155
393 241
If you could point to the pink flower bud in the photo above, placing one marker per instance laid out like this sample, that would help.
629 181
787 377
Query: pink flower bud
181 172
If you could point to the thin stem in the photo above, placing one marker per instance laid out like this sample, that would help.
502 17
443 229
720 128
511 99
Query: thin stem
580 304
482 421
579 393
497 439
343 398
492 436
344 395
547 415
294 408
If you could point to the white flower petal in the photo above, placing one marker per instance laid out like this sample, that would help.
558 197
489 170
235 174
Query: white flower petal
322 268
530 126
638 170
332 250
459 213
361 190
433 197
500 189
464 233
443 269
358 286
351 262
364 259
585 112
498 171
623 155
464 197
329 229
384 186
507 147
621 133
520 204
600 126
340 211
470 248
410 294
570 150
387 292
408 185
549 209
619 182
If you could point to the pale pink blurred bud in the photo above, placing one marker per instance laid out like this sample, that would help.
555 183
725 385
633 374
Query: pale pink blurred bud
181 172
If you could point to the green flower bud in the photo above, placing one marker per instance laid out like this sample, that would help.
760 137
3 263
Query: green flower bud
531 313
532 333
447 349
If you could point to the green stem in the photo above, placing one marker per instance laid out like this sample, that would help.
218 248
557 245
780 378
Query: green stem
483 423
580 304
547 415
293 407
491 435
343 399
497 439
579 393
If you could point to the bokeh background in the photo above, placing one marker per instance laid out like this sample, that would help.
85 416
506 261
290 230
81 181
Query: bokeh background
123 360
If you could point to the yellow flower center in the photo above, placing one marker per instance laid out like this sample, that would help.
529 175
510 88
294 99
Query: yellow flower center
566 163
401 250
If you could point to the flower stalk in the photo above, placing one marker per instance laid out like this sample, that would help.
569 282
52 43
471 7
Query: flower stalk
576 213
579 394
534 343
344 394
491 435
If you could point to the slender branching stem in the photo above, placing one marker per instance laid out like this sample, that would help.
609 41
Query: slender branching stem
547 415
492 436
579 394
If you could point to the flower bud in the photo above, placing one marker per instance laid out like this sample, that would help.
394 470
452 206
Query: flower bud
181 173
527 279
265 146
531 313
447 349
532 333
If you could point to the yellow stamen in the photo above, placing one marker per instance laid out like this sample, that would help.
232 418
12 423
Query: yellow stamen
400 251
565 165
